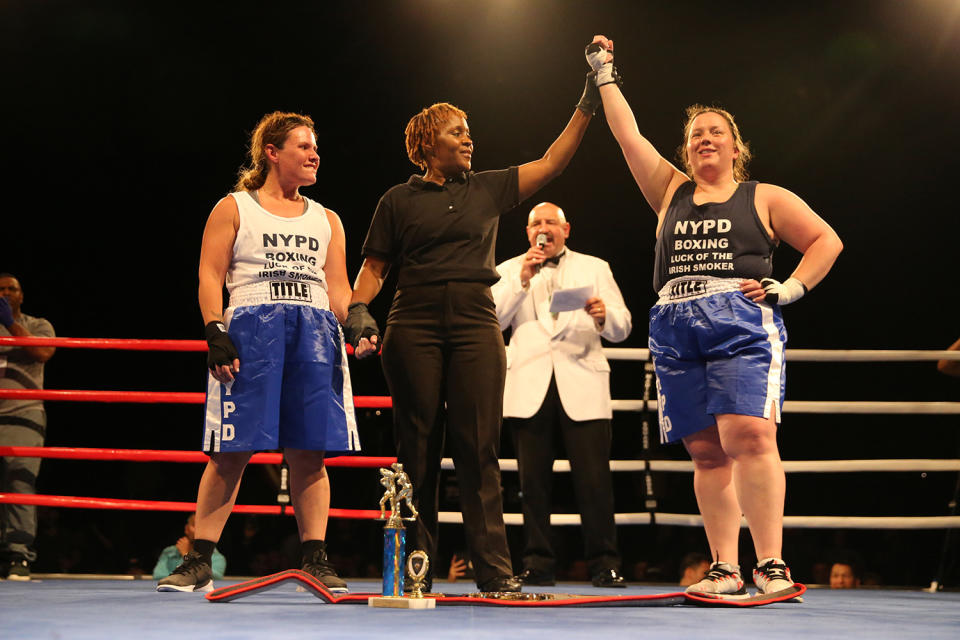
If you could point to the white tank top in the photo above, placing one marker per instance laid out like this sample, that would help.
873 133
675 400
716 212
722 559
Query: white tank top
278 259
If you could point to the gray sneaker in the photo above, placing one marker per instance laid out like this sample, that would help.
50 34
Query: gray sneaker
773 575
193 574
723 580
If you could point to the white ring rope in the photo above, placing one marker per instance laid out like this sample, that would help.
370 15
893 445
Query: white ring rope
790 466
819 355
789 522
832 406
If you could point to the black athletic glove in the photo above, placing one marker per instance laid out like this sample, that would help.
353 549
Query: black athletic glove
220 346
359 324
590 100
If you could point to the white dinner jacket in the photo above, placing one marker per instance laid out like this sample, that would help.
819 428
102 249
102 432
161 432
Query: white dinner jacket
568 347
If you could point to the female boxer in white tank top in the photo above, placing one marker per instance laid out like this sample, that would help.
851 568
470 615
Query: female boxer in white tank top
309 277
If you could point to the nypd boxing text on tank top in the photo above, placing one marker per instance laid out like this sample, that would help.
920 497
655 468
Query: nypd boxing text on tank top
697 249
718 239
289 253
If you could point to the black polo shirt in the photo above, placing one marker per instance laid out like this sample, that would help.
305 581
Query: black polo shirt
433 233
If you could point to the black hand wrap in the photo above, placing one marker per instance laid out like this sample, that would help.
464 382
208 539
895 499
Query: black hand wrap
590 101
220 349
359 324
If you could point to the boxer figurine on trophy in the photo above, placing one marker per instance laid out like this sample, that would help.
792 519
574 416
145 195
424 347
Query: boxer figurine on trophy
394 534
390 479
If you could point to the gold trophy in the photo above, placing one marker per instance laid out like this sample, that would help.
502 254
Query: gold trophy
394 545
417 566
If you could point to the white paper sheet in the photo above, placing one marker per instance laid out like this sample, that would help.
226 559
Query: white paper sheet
570 299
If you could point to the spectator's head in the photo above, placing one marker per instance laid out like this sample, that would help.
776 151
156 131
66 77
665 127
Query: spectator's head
844 576
693 568
10 289
190 529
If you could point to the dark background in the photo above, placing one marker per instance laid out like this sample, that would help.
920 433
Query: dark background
124 123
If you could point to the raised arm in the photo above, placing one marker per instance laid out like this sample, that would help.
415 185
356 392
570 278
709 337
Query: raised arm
335 269
534 175
656 177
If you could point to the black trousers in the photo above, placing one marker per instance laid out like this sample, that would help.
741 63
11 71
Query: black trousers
588 449
444 361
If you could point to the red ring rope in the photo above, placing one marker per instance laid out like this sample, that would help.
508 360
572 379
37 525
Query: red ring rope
167 397
160 505
113 343
154 455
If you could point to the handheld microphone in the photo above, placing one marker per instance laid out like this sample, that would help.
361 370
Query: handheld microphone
541 240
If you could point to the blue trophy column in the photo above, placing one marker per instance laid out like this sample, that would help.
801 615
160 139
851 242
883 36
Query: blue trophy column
394 556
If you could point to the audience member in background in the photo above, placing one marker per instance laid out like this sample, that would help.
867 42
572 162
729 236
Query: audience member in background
693 568
844 576
22 423
460 567
171 557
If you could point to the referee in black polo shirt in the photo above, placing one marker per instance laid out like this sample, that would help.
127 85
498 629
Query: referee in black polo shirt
443 355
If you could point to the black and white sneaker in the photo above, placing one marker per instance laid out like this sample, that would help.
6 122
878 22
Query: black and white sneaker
19 570
772 575
318 565
193 574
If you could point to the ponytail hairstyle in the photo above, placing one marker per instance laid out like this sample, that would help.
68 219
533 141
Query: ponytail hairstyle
273 129
740 172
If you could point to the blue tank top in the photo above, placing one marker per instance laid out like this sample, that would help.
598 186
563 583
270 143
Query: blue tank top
720 239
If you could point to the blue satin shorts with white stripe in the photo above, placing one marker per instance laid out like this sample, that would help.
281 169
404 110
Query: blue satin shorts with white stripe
714 352
293 387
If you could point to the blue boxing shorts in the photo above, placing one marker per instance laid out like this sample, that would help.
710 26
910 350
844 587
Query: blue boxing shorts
714 351
293 387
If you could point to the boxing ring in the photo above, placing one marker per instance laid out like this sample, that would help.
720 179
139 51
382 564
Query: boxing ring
98 607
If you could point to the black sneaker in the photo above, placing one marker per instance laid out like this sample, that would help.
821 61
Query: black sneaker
193 574
318 565
501 584
608 578
537 578
19 570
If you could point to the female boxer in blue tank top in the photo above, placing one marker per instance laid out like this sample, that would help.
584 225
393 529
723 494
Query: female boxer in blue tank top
720 382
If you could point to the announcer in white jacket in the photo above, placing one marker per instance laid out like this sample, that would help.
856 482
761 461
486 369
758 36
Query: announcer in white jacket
558 381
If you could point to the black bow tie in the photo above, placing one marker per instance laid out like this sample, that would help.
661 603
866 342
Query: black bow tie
554 261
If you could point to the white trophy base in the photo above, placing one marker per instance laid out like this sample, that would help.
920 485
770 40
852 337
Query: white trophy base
401 602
